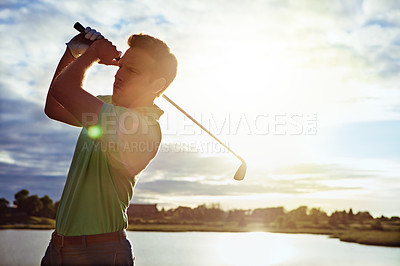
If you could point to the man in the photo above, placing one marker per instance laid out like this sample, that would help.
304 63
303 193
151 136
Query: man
119 138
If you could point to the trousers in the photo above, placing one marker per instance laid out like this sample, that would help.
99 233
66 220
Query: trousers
107 253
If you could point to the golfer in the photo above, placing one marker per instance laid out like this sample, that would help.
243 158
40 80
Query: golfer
120 136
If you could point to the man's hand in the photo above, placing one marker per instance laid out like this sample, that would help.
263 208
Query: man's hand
80 43
105 52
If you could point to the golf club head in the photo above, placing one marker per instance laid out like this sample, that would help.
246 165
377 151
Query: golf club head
241 172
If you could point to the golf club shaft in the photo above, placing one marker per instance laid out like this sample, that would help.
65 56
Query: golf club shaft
201 126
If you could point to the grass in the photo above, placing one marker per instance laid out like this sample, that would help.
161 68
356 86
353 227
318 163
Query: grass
27 226
187 227
370 237
26 222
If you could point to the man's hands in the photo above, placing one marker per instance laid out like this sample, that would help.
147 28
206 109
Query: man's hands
105 52
96 46
80 43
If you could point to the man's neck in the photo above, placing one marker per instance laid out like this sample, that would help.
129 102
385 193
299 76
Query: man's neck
140 102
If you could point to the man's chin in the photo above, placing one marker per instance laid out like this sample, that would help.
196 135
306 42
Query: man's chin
117 100
114 99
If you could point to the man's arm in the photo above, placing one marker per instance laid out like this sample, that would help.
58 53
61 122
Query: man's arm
67 87
54 109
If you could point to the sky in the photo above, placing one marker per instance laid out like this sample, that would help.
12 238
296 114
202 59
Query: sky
307 92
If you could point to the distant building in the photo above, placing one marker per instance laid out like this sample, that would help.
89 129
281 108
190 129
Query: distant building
142 210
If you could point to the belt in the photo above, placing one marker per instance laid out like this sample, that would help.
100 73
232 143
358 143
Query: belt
62 241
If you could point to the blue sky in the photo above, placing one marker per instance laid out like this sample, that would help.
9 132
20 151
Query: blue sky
244 67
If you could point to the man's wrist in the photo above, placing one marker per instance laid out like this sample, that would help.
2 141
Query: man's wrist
68 55
90 56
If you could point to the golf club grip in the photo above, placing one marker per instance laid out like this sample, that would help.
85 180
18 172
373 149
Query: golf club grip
78 26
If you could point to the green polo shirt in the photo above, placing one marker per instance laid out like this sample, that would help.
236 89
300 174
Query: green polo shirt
107 161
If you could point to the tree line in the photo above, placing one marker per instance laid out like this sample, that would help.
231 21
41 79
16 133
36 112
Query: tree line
276 216
32 205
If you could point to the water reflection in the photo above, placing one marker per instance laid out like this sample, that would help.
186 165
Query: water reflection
256 248
26 247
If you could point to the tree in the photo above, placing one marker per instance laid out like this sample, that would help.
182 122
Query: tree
184 213
236 215
3 206
48 209
383 218
162 213
350 215
317 212
338 218
334 219
33 205
214 213
317 215
299 214
200 212
268 215
363 216
20 198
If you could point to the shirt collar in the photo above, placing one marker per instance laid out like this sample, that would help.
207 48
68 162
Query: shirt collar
153 111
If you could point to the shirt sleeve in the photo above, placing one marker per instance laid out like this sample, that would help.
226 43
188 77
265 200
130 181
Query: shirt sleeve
129 139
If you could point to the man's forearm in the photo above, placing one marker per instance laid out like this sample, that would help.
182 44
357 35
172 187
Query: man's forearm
53 109
72 77
65 61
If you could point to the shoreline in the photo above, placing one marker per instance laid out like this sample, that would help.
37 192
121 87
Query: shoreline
369 237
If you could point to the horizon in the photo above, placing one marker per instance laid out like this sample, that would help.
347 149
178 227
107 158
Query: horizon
306 92
217 205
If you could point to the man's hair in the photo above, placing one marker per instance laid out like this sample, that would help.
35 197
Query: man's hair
166 63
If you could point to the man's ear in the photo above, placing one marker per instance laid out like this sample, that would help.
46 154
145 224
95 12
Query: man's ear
158 85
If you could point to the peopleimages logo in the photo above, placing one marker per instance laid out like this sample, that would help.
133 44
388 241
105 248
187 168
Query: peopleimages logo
243 124
283 124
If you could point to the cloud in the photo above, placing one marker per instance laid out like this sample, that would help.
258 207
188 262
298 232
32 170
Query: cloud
303 181
324 171
35 152
11 183
163 179
187 188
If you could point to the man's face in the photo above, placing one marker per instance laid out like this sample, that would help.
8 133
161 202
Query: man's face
133 79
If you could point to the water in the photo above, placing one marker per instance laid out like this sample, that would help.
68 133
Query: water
26 247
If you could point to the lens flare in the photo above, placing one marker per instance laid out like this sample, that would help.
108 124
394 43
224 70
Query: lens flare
95 132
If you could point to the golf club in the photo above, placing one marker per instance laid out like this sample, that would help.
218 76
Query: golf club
240 173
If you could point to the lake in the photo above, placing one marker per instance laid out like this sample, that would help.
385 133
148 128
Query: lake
26 247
